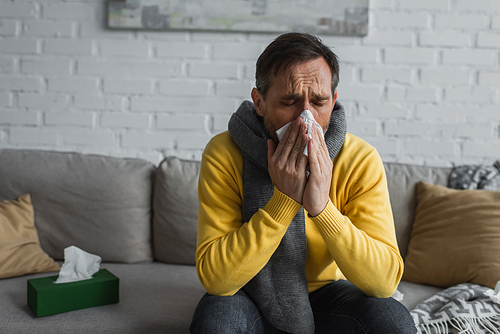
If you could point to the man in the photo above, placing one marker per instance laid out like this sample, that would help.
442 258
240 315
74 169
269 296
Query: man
288 242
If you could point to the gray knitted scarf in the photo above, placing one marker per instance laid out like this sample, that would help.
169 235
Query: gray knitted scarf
280 289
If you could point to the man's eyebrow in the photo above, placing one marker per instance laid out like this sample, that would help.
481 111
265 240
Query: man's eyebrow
291 96
321 97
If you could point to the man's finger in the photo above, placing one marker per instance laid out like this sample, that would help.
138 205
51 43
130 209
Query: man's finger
302 158
286 144
321 149
300 142
313 156
283 140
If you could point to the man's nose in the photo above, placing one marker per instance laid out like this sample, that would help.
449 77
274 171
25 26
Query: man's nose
305 104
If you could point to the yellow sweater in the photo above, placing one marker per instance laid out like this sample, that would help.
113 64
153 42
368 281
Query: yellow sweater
353 238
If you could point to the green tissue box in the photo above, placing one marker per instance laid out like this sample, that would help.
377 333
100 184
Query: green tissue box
46 297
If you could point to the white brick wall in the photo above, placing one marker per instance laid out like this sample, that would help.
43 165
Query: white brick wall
212 71
410 56
432 5
72 84
6 65
18 10
88 138
128 120
68 11
45 66
470 57
461 21
181 122
119 48
184 87
17 83
392 20
181 50
128 86
9 28
19 46
422 87
478 5
444 39
5 99
49 101
76 119
49 28
444 77
68 47
18 118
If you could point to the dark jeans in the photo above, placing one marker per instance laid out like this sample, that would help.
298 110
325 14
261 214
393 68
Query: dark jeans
338 307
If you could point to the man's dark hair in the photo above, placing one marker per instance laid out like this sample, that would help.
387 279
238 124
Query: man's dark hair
290 50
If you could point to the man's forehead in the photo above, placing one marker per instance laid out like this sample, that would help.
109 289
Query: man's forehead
312 78
305 73
317 84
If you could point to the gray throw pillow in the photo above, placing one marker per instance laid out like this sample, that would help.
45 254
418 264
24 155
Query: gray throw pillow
175 206
97 203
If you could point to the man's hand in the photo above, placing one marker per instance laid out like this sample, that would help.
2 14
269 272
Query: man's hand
317 190
286 163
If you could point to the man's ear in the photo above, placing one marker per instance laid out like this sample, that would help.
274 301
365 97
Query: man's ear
334 97
258 102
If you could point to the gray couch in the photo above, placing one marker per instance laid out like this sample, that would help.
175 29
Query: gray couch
141 219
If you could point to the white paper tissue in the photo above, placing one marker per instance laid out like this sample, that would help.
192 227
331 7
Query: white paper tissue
78 265
308 118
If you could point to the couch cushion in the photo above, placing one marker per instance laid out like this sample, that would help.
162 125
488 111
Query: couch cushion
455 237
154 298
175 204
402 182
99 204
414 294
20 251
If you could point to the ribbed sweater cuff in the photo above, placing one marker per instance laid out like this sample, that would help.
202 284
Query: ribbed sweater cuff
282 208
330 221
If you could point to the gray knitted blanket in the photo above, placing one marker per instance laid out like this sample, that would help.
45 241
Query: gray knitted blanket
463 308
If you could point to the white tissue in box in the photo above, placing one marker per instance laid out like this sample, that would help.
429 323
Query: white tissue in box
78 265
308 118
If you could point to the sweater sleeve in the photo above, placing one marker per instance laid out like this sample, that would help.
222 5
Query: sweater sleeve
359 229
231 252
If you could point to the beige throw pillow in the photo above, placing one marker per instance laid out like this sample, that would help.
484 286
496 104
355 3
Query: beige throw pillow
20 251
455 237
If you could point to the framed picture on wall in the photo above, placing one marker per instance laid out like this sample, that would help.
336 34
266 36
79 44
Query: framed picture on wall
339 17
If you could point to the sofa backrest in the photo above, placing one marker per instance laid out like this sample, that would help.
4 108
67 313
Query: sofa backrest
98 203
402 181
176 204
106 206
